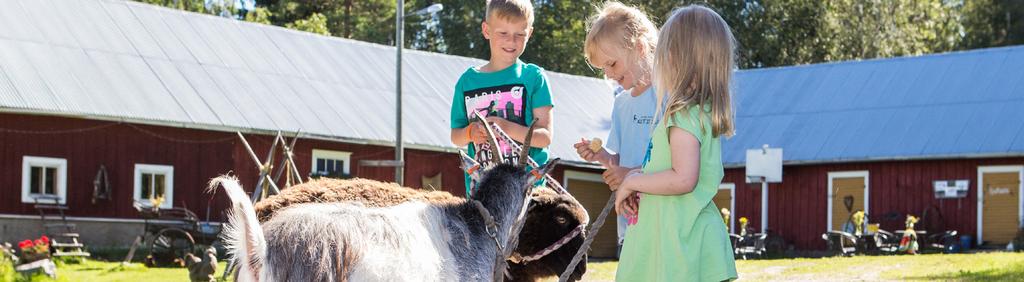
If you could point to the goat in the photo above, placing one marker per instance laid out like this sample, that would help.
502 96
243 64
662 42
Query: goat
550 217
411 241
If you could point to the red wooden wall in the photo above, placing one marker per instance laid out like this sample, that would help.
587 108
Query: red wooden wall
797 206
197 156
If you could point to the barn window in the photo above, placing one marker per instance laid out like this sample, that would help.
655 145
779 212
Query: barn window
44 179
154 183
333 164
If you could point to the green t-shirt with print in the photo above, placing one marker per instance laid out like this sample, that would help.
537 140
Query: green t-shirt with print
680 237
511 93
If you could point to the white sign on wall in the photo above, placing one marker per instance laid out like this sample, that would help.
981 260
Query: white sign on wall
945 189
765 162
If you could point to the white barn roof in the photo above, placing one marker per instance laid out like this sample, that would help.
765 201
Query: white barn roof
126 61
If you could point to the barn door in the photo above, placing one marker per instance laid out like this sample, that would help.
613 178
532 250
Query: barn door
592 193
724 199
847 195
1000 205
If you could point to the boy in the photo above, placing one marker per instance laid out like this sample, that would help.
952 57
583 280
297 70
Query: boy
508 92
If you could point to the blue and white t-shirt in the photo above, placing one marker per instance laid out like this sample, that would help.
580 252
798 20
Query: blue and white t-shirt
632 123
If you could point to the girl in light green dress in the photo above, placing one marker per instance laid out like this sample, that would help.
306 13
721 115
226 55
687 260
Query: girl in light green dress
678 233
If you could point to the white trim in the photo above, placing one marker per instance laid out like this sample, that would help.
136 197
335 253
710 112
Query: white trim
167 171
579 175
97 219
60 188
848 174
335 155
981 193
732 203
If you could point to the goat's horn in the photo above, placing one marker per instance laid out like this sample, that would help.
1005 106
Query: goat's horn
525 154
496 154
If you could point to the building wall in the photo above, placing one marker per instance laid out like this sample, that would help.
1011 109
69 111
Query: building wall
798 207
197 156
86 145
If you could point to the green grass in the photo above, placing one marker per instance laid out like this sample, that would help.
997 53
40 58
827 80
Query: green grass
92 270
996 266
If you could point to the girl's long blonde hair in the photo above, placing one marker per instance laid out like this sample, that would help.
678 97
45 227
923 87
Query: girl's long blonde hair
693 66
624 28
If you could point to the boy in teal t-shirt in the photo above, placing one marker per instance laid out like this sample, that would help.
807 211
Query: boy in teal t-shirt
508 92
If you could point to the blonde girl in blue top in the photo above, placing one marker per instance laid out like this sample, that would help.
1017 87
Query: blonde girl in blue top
679 234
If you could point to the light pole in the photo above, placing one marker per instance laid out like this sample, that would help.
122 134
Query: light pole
399 36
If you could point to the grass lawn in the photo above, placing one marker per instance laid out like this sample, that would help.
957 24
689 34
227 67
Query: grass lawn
996 266
92 270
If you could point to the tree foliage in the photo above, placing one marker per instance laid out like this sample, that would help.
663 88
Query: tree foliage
768 32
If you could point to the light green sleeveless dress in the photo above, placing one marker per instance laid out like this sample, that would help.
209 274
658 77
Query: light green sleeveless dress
680 237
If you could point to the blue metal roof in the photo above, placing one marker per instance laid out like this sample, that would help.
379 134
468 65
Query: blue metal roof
961 104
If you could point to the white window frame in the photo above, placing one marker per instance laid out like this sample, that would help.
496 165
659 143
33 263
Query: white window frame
329 154
60 189
732 203
848 174
981 194
167 171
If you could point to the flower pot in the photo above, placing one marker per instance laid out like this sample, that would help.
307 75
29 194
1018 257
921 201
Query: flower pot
45 266
31 257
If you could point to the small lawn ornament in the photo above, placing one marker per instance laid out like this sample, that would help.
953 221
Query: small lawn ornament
35 258
33 250
202 269
858 219
909 242
743 226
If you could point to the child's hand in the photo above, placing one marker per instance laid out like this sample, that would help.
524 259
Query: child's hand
625 202
583 149
499 122
614 175
477 133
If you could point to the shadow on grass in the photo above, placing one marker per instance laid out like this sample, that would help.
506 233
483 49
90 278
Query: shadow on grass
1014 272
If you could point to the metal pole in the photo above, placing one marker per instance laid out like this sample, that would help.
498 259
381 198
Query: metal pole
764 204
399 36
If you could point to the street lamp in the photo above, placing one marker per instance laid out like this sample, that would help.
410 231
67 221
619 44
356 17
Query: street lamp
399 36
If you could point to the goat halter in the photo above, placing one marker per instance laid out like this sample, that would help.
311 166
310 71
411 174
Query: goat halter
519 258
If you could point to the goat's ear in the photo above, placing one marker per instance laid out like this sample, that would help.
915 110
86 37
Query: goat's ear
539 173
470 166
548 167
525 153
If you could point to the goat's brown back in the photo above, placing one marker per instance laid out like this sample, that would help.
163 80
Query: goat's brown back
366 191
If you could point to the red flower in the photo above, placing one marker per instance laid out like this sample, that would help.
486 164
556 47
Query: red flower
25 244
39 242
45 239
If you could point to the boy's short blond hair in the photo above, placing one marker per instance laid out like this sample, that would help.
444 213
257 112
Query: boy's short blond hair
510 10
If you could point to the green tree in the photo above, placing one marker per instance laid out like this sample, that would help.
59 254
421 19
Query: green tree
259 15
316 23
769 32
991 23
855 29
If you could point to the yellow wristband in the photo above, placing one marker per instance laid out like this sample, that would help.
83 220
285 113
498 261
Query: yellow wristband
469 132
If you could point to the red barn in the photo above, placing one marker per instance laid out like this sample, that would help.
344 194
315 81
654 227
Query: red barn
884 132
149 99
